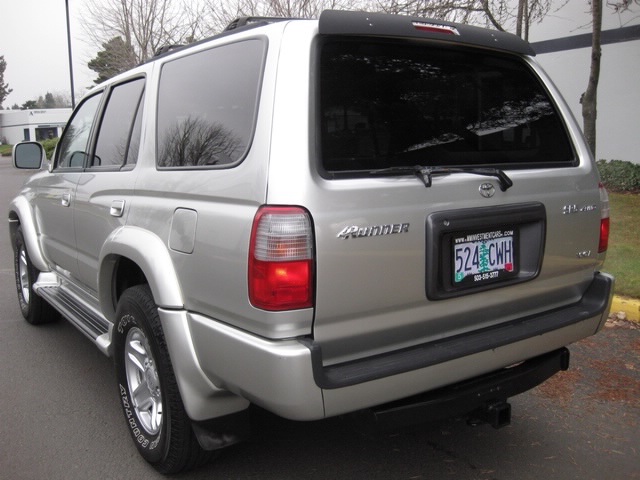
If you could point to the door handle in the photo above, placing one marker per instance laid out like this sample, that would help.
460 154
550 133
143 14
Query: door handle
117 208
66 199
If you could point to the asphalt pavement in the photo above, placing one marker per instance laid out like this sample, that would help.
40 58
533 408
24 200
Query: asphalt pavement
60 418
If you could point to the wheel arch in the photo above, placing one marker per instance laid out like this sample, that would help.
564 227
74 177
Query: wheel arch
132 256
21 215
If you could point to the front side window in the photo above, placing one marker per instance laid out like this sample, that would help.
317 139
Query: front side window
207 104
390 104
73 149
113 147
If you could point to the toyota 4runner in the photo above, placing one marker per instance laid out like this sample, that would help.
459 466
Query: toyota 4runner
359 212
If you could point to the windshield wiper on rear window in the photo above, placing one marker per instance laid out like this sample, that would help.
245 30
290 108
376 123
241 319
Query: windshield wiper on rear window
426 173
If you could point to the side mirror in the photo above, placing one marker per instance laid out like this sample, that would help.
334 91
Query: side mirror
77 159
28 155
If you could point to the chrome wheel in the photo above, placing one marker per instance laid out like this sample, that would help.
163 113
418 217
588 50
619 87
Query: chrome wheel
143 381
23 273
154 413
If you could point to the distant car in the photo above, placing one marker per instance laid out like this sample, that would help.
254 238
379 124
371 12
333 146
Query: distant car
318 217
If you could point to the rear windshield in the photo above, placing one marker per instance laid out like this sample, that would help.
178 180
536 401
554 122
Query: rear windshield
389 104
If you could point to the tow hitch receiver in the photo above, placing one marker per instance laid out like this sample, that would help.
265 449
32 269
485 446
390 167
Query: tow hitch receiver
481 400
497 414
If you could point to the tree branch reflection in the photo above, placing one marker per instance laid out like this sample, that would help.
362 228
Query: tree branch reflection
195 142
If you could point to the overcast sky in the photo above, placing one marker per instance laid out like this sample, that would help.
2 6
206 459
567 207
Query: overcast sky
33 40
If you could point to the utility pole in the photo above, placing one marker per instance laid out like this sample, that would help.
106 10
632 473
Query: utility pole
73 99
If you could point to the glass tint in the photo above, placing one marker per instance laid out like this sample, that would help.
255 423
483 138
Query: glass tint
207 105
73 147
389 104
114 137
134 142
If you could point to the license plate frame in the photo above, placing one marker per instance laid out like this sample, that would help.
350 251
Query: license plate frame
484 257
528 222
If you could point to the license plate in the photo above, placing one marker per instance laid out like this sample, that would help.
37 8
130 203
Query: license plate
484 257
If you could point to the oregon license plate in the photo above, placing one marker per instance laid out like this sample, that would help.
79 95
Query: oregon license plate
484 257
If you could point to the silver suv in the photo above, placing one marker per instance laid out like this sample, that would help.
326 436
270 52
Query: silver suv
318 217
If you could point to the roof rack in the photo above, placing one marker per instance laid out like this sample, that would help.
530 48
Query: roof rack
167 48
240 22
244 21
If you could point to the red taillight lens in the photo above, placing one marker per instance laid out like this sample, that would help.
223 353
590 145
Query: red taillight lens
281 259
604 220
435 28
604 235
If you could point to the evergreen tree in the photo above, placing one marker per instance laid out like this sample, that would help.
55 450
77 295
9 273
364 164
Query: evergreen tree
29 105
49 101
4 87
116 58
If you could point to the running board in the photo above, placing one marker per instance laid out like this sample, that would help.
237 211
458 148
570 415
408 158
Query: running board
78 307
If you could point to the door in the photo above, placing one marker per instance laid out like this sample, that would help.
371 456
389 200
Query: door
56 194
105 189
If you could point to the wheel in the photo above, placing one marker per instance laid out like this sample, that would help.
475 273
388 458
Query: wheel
151 402
34 308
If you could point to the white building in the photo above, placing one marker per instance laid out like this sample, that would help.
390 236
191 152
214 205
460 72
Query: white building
563 43
19 125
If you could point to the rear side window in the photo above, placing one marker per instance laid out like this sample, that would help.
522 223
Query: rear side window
116 145
387 104
207 104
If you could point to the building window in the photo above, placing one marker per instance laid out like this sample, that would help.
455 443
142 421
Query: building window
46 133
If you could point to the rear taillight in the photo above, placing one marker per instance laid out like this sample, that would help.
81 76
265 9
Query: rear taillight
604 220
281 259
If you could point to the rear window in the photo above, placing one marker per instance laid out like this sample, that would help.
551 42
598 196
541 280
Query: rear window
391 104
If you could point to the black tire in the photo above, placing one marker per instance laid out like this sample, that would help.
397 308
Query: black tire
34 308
157 421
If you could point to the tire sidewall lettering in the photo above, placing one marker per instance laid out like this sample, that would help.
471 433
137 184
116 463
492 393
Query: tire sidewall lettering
132 421
141 438
125 321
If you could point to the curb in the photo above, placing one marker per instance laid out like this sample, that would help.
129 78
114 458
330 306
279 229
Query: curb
630 306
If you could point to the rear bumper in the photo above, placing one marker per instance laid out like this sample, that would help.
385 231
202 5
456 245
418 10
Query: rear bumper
595 303
287 376
472 395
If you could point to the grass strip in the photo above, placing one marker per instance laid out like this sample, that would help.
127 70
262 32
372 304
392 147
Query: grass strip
623 256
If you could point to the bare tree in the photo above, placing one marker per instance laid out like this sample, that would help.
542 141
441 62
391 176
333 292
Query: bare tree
144 25
621 6
461 11
222 12
503 15
589 98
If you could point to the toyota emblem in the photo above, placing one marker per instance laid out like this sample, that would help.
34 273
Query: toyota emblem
487 190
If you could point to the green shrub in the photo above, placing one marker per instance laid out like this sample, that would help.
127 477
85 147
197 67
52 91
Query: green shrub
49 146
5 150
620 176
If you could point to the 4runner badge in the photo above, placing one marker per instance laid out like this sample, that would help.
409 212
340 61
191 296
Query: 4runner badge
355 231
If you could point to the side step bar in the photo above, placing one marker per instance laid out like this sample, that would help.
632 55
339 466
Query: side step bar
77 307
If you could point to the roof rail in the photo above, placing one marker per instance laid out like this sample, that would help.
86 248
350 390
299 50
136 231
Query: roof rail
167 48
244 21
